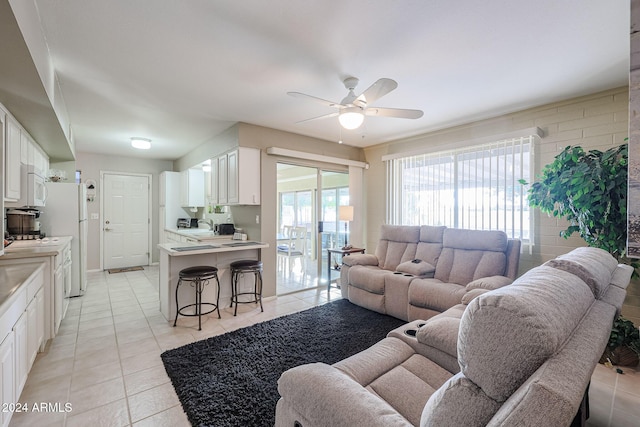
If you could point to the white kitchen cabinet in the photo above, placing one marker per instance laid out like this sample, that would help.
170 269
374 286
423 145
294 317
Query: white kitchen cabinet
192 186
41 320
22 319
32 332
222 180
12 160
162 188
232 177
213 187
7 376
21 356
40 160
243 186
32 155
58 293
26 149
238 177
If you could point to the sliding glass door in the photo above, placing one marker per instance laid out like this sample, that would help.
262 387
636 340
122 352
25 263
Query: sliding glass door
308 197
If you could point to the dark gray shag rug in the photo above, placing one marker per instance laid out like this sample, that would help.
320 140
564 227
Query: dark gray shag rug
231 379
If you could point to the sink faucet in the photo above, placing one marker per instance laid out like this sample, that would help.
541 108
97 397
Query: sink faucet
209 222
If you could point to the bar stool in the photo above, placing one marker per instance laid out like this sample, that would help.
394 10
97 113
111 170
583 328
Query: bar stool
239 268
199 277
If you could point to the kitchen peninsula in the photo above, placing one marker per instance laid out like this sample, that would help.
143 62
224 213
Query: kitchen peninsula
217 253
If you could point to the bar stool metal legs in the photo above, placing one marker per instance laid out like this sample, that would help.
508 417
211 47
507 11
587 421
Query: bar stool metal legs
239 268
199 277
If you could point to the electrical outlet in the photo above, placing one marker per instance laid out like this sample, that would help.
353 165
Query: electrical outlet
95 216
257 219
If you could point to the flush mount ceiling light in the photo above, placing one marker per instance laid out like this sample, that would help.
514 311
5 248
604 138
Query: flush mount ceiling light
141 143
351 117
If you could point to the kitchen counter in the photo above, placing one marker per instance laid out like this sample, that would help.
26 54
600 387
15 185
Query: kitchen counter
219 253
223 244
12 277
35 248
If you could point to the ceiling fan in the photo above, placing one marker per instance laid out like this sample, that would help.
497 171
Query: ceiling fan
352 109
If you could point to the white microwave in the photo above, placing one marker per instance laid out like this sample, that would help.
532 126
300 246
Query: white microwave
33 191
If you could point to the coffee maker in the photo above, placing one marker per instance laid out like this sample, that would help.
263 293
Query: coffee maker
23 224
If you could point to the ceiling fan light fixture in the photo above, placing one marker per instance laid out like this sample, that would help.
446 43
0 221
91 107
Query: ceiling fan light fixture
140 143
351 118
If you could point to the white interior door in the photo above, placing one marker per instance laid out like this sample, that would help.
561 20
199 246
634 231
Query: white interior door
125 220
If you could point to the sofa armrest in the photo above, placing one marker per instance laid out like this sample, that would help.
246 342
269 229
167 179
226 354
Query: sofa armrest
490 283
360 259
470 295
317 392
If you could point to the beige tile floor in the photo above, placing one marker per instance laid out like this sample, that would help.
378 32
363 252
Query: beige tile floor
105 361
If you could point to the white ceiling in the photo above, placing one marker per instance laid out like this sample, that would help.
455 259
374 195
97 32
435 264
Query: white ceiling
180 72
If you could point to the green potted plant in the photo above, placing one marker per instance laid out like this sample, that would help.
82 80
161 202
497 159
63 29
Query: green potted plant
589 190
623 347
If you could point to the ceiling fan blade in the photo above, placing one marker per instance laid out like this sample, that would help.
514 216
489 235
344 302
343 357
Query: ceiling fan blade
313 98
394 112
324 116
376 91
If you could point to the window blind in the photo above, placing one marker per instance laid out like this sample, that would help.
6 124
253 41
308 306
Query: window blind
473 188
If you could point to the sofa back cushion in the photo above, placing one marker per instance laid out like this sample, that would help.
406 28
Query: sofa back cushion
471 254
593 265
506 334
397 244
430 244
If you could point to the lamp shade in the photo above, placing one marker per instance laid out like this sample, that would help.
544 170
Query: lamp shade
351 117
345 213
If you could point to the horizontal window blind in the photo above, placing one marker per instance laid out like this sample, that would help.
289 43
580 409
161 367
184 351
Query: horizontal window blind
473 188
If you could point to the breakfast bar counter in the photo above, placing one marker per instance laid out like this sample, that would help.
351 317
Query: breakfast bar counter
219 253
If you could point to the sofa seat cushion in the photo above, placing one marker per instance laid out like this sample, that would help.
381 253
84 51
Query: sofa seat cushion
367 278
392 370
319 394
435 294
459 402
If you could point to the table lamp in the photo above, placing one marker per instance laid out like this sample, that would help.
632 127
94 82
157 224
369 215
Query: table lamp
345 213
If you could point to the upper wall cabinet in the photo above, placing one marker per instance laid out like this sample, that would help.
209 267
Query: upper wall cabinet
192 191
12 160
237 181
31 154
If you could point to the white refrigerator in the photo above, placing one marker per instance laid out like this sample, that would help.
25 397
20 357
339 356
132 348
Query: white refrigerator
65 214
